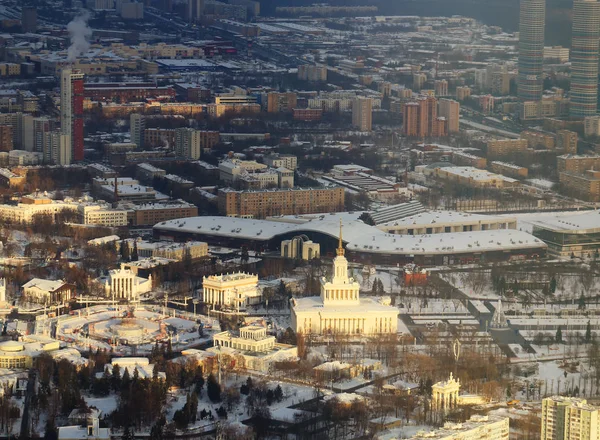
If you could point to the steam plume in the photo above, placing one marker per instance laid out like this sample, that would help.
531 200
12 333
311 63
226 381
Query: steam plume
79 32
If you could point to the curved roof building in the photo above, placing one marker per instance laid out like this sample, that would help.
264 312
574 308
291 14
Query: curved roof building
364 243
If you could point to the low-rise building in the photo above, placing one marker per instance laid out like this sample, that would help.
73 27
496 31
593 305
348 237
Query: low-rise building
43 291
123 189
299 248
148 214
10 179
443 222
577 234
509 169
466 159
288 161
251 348
102 215
472 177
172 251
234 291
124 284
476 428
146 172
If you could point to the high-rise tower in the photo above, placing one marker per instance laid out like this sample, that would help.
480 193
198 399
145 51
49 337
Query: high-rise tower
584 58
71 110
362 113
531 49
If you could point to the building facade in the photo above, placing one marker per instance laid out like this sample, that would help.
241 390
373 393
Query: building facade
265 203
71 110
569 418
584 58
339 308
362 113
137 125
532 19
234 291
450 110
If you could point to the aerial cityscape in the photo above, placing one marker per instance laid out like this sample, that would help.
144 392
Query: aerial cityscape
279 219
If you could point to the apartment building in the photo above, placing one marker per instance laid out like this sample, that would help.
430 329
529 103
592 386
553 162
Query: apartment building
312 73
102 215
506 147
265 203
463 93
288 161
149 214
577 164
6 138
537 139
585 186
509 169
281 102
362 113
450 110
569 418
566 141
158 137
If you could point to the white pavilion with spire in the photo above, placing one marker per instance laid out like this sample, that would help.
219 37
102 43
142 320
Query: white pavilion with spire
339 308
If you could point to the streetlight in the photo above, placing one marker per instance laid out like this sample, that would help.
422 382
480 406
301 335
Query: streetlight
195 301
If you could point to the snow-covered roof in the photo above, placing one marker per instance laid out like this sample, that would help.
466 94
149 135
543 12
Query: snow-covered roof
359 236
433 217
364 307
583 222
46 285
454 243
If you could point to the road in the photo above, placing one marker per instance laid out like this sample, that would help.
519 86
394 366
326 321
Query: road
25 422
489 129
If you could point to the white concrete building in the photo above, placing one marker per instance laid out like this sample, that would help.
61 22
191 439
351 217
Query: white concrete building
340 309
125 284
170 250
236 290
103 215
299 248
476 428
90 432
253 347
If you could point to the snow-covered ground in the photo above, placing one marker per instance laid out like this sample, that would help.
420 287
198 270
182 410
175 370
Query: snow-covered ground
69 328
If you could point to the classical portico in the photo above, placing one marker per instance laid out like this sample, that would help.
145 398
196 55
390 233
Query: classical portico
445 394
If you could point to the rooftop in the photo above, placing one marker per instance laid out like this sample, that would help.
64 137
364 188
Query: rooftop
433 217
582 222
359 236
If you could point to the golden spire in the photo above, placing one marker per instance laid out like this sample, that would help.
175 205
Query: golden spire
340 249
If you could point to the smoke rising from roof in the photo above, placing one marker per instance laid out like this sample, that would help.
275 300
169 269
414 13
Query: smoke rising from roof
80 33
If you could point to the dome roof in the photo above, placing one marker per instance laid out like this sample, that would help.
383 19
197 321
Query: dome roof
11 346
